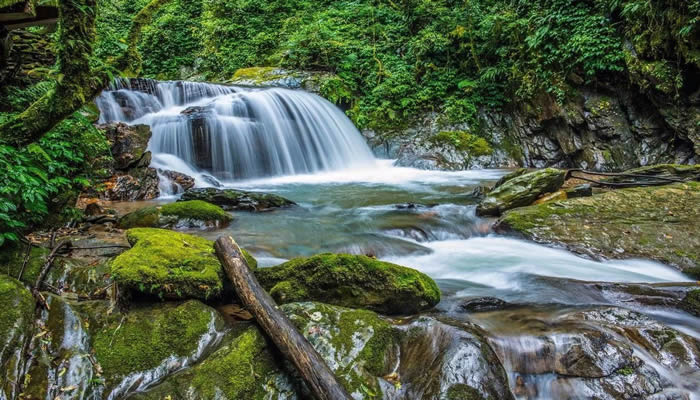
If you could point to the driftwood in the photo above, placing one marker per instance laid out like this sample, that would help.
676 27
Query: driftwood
313 369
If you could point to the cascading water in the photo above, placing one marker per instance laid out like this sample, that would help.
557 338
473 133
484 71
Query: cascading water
236 133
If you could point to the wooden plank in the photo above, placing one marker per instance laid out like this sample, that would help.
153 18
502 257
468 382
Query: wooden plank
310 365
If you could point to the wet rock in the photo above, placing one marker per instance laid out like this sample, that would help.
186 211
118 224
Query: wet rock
230 199
192 110
442 358
351 281
138 183
128 143
277 77
16 316
691 302
521 191
673 171
186 214
170 265
650 222
550 197
505 178
179 182
585 190
483 304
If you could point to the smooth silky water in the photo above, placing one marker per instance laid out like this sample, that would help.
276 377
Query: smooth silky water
300 146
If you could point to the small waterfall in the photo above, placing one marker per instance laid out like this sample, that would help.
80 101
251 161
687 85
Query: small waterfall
235 133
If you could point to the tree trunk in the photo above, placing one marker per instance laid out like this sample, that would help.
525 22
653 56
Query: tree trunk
276 325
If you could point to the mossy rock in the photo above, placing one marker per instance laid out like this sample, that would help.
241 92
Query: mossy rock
230 199
16 315
186 214
165 336
171 265
659 223
357 345
351 281
12 259
691 302
520 191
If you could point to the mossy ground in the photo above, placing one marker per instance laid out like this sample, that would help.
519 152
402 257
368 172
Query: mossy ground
351 281
141 339
660 223
171 265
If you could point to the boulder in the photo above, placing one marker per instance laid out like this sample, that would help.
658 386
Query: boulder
505 178
186 214
170 265
138 183
230 199
521 191
16 316
659 223
483 304
179 182
128 143
351 281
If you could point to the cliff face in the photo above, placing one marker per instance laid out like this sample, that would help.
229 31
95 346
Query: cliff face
598 129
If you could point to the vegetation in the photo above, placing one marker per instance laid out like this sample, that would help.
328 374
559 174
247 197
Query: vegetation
392 61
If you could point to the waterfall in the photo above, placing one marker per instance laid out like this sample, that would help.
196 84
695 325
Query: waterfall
237 133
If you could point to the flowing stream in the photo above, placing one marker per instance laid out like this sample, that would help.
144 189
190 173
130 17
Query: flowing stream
300 146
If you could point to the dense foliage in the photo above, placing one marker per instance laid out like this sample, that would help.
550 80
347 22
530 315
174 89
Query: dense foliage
43 177
395 60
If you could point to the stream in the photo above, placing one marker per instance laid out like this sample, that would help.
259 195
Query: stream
350 202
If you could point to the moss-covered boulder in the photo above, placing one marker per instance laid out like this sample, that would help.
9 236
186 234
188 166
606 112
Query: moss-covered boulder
351 281
171 265
230 199
186 214
660 223
12 259
357 345
521 190
16 314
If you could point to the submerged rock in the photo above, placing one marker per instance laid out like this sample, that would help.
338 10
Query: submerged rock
351 281
660 223
186 214
171 265
521 190
230 199
16 316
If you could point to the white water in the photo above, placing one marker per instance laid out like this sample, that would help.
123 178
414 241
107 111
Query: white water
239 133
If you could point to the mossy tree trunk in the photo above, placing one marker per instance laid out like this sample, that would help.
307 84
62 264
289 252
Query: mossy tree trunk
76 82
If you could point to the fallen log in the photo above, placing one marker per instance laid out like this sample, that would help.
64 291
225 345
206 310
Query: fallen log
312 368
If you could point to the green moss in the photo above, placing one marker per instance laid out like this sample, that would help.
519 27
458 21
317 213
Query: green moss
258 75
626 371
196 209
462 391
691 302
171 265
16 308
649 222
147 217
693 272
463 141
12 259
521 191
351 281
168 264
143 338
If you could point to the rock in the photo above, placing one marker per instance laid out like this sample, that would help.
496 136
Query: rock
93 209
277 77
649 222
505 178
179 182
521 191
102 354
186 214
192 110
138 183
691 302
673 171
483 304
549 197
170 265
351 281
128 143
16 316
230 199
585 190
